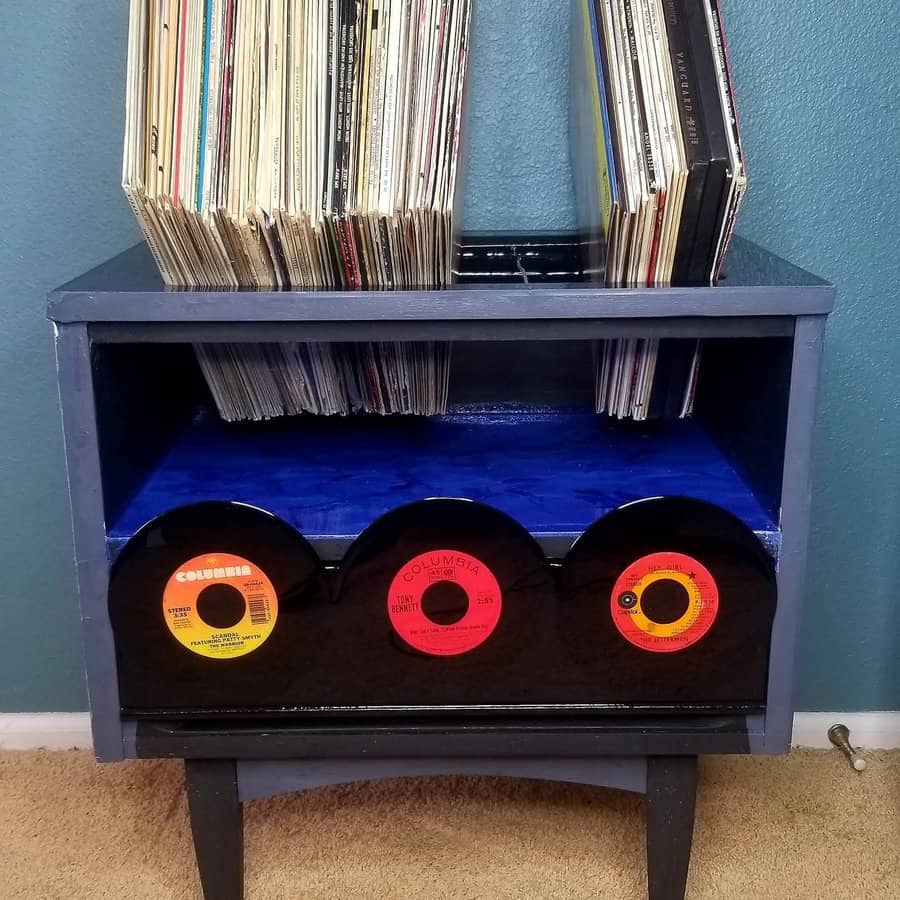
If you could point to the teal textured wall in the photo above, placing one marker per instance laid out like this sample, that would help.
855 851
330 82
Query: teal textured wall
819 113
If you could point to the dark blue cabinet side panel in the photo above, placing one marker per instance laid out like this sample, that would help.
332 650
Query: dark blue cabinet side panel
554 472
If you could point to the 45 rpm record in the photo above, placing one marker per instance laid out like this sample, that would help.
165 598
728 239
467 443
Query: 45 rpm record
207 605
444 602
481 595
669 571
670 600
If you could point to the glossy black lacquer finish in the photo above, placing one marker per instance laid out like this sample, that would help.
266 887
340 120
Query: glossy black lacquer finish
504 669
729 664
515 278
336 649
155 671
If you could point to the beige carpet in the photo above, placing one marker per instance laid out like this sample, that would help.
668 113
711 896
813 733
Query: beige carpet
798 827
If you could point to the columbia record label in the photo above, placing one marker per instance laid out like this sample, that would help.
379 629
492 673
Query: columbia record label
427 572
202 595
213 608
669 601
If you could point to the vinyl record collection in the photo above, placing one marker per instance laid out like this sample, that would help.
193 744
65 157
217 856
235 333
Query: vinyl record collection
221 609
298 143
659 174
264 381
315 144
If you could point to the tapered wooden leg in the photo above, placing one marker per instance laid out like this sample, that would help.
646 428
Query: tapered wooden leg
217 823
671 796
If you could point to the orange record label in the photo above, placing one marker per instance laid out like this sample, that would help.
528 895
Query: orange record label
429 569
182 602
664 637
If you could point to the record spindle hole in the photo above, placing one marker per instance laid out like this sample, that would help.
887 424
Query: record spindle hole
664 601
221 605
444 602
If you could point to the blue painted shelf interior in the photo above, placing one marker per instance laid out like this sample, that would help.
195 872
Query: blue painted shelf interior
554 472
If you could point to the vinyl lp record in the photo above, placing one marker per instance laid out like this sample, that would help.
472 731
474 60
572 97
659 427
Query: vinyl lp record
670 600
207 605
442 602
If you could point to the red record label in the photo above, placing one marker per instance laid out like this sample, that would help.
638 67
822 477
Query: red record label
427 569
664 637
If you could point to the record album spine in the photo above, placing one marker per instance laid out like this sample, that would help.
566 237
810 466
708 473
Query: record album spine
608 136
694 135
609 119
713 121
225 101
347 25
649 233
343 94
456 164
330 111
642 95
725 63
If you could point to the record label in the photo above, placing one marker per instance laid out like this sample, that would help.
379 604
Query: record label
630 616
224 580
427 570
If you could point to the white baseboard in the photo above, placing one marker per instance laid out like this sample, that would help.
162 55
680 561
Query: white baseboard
873 730
46 731
66 731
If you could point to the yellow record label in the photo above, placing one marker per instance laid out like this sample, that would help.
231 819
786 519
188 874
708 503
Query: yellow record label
183 598
664 637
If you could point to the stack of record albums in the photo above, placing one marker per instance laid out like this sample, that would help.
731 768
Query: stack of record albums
314 144
301 144
659 175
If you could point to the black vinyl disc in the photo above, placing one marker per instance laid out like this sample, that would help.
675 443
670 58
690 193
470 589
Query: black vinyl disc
209 606
669 601
442 603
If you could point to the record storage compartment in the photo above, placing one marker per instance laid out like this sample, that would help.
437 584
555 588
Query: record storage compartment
536 450
520 435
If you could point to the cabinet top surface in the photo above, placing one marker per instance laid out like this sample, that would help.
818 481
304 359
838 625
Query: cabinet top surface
502 277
